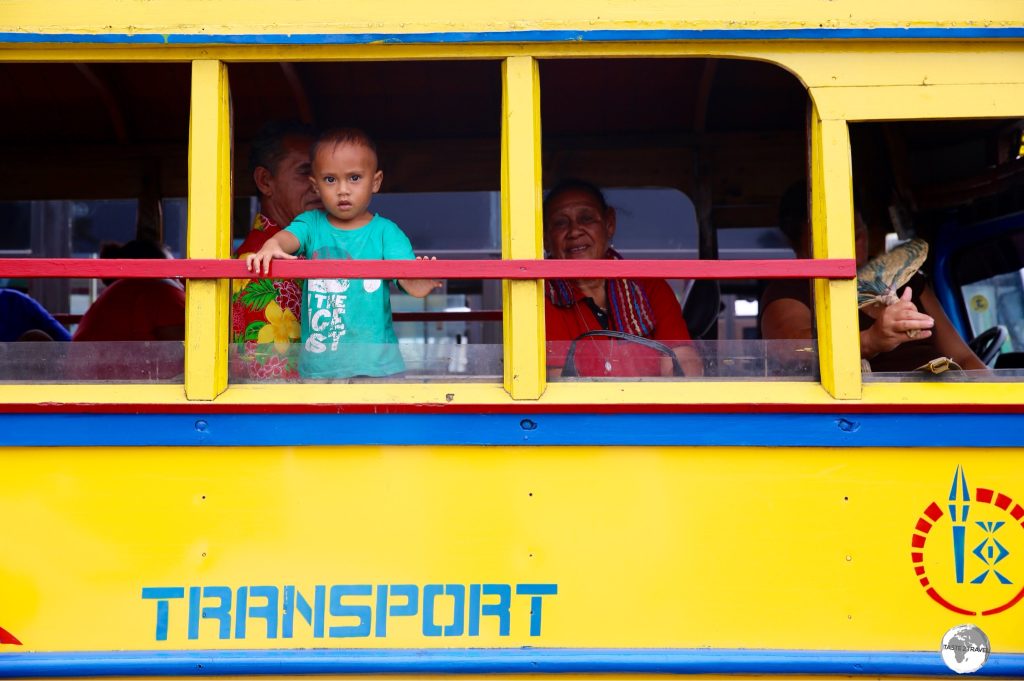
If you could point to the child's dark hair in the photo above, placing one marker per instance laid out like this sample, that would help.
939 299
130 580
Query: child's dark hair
339 136
574 184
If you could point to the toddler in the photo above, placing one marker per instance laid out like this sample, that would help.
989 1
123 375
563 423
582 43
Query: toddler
346 324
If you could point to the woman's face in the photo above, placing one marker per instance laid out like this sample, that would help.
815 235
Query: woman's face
576 228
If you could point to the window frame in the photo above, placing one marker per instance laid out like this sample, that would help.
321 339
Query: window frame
891 96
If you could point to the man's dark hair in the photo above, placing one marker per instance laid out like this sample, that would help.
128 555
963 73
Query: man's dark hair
574 184
267 147
339 136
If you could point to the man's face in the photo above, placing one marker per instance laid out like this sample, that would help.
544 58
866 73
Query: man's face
287 192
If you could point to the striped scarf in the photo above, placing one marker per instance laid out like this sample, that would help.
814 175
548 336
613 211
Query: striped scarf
629 310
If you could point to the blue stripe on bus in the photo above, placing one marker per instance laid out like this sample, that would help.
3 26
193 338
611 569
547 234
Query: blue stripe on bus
528 36
745 429
481 661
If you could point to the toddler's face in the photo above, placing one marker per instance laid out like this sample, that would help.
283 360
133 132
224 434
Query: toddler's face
346 177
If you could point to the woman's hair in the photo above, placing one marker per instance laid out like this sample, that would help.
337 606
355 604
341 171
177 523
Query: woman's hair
136 249
574 184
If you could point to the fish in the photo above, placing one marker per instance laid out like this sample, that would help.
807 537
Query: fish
879 279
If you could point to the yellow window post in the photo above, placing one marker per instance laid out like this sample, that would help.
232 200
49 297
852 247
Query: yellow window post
523 320
209 230
832 228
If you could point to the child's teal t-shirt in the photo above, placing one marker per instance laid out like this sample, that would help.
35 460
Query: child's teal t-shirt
346 323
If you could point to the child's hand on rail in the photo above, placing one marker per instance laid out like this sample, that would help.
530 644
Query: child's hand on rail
259 263
420 288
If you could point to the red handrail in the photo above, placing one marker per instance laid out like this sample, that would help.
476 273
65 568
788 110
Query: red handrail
434 269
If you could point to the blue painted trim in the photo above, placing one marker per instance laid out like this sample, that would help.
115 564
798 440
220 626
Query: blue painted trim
745 429
535 36
491 661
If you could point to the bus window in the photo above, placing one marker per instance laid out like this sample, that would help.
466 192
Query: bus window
437 126
692 155
91 150
954 187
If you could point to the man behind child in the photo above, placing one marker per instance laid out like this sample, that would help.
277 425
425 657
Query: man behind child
265 312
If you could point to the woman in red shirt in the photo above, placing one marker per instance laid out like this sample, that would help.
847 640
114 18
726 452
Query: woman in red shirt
579 225
138 310
135 309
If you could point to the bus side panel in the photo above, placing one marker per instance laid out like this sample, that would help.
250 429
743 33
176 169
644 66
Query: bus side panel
432 546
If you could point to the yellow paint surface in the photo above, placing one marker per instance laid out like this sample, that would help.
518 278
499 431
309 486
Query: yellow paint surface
848 80
310 16
832 231
209 229
577 393
523 301
649 547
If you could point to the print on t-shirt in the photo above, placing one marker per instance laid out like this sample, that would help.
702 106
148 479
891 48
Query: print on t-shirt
326 305
346 323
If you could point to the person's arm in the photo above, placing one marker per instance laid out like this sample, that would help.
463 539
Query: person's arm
281 245
946 336
398 247
894 325
670 328
419 288
689 360
787 326
787 319
253 242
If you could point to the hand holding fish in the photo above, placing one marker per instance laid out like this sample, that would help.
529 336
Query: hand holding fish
894 325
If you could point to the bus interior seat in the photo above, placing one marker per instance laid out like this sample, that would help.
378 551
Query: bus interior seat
701 309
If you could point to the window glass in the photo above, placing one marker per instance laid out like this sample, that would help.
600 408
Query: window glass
692 155
119 131
437 128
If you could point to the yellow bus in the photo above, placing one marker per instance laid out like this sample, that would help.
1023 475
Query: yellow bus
171 515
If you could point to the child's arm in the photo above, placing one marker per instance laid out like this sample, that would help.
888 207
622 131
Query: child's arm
281 245
420 288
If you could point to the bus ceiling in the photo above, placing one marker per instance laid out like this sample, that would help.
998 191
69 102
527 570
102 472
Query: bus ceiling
729 133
